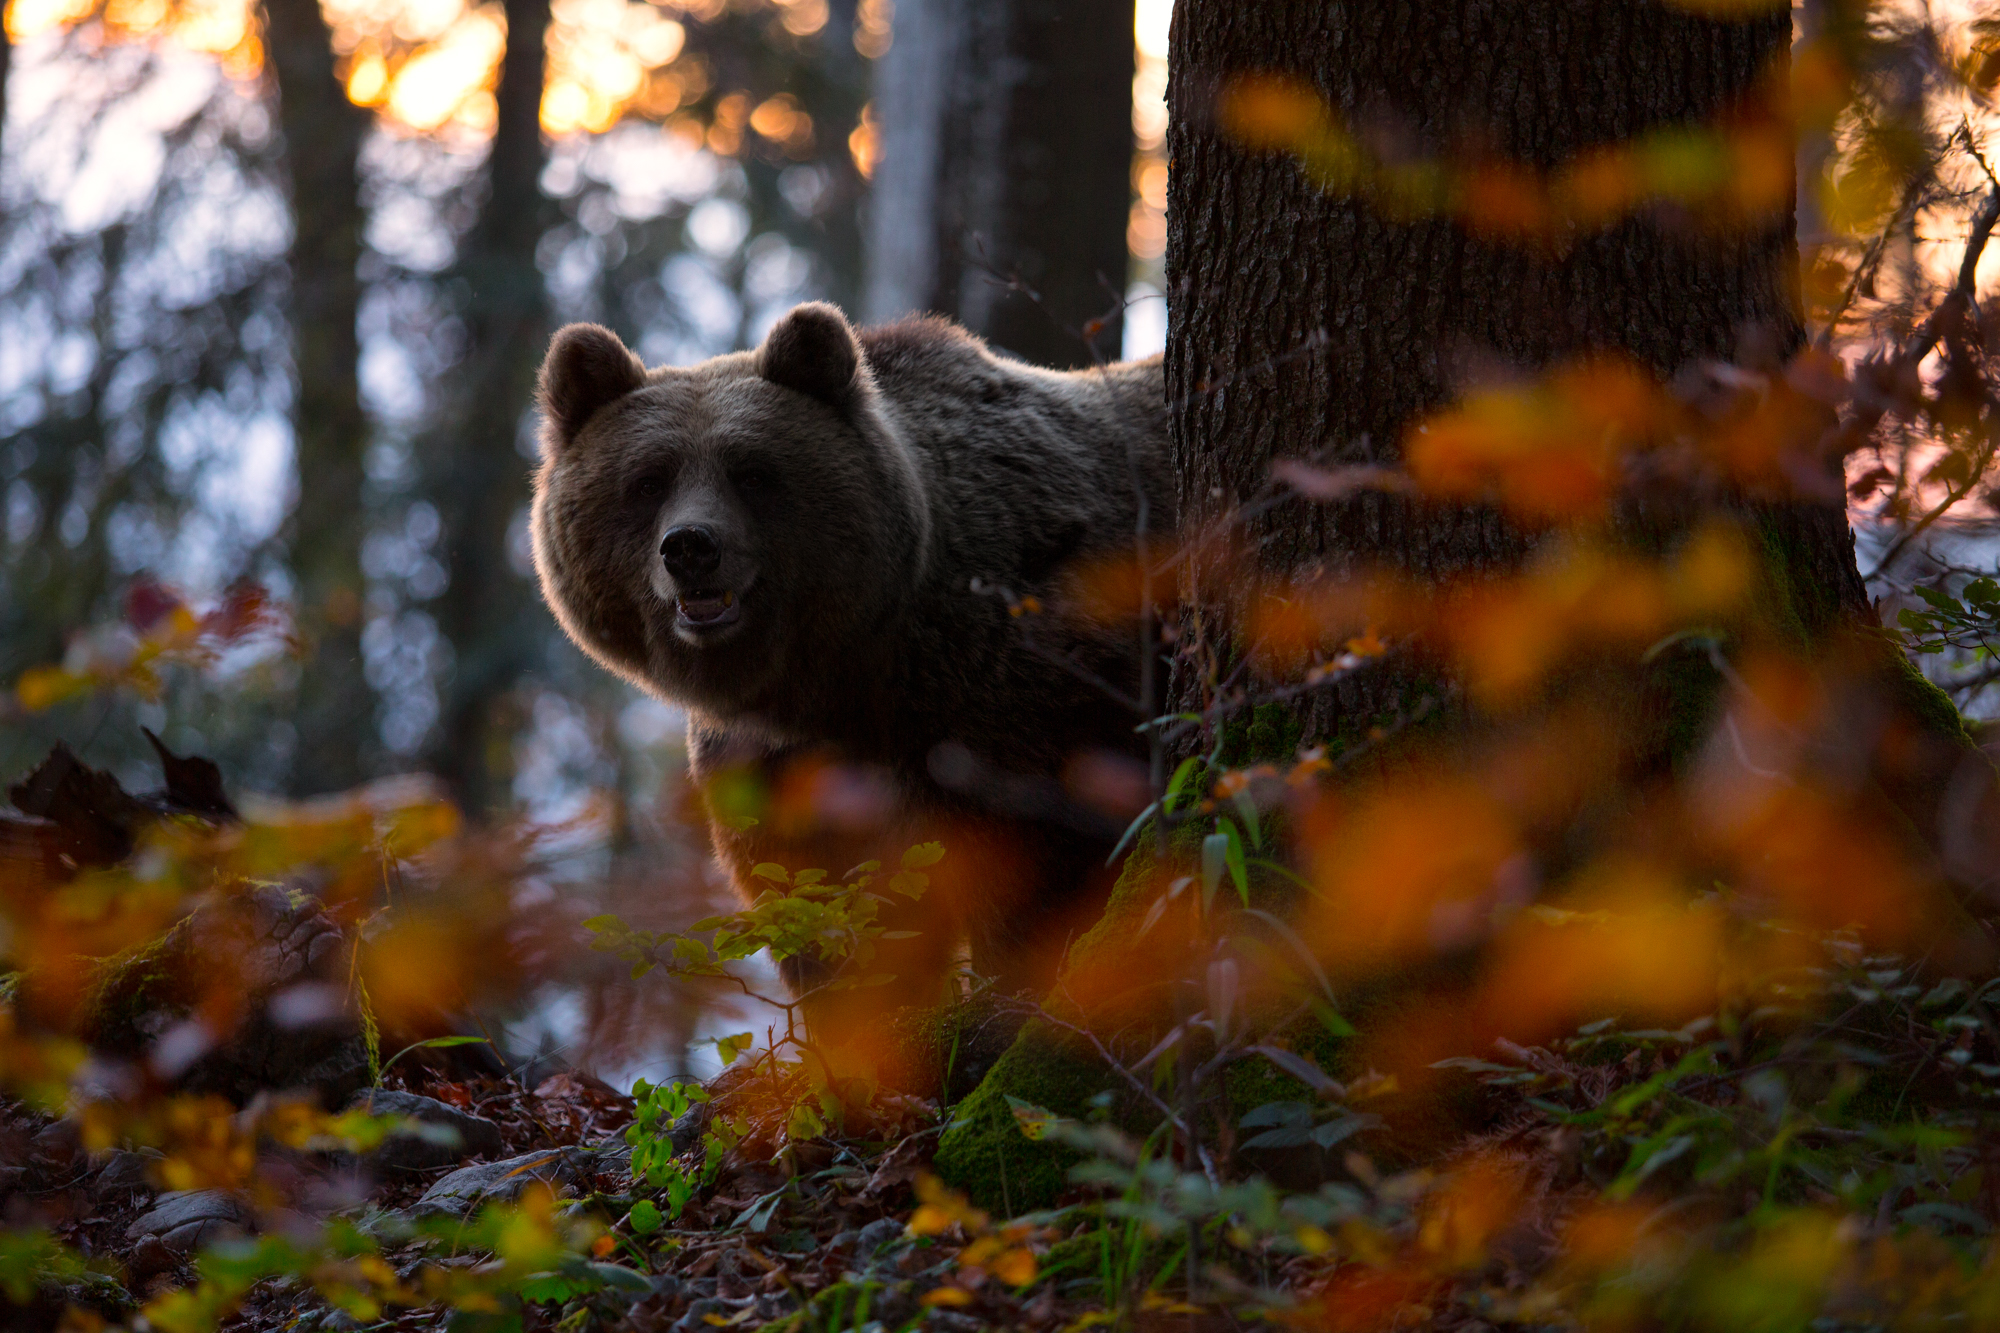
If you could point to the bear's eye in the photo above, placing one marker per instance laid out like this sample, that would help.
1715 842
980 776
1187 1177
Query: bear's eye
649 488
755 479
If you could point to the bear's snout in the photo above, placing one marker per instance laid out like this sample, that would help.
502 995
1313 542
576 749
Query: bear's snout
691 553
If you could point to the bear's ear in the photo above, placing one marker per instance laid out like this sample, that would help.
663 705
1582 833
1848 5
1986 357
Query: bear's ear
813 350
586 368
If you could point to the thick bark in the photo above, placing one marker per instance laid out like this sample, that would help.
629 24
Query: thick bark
1007 147
475 474
1262 263
323 132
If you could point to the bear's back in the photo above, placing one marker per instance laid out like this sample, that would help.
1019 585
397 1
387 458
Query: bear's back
1026 465
1028 474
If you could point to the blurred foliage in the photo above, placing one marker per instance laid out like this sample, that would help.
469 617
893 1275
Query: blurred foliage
1510 1021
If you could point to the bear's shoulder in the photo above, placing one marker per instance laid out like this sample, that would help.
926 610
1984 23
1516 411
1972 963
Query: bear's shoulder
921 345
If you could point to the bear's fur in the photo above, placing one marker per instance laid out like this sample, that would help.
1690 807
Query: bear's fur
866 506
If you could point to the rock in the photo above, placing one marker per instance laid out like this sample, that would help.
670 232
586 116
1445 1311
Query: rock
467 1135
185 1220
1048 1067
695 1321
150 1256
125 1172
58 1145
142 1005
459 1193
877 1234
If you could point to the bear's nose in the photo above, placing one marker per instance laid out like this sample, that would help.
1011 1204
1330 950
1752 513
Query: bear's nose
691 552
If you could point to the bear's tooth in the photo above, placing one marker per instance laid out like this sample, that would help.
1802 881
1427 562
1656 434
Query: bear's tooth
729 599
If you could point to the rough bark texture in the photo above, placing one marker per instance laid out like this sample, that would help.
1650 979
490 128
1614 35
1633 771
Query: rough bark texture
1261 263
475 473
323 133
1006 152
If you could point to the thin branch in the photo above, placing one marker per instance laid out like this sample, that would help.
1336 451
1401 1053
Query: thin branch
1841 441
1138 1084
1952 497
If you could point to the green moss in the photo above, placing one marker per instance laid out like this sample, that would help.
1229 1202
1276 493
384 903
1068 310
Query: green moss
1271 734
1793 603
146 979
1683 690
984 1151
945 1050
1930 706
1252 1083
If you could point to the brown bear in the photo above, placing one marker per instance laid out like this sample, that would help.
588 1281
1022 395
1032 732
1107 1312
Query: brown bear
858 561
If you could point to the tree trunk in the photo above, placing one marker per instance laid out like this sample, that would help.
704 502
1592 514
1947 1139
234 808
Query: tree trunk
476 473
6 62
1307 320
323 133
1006 154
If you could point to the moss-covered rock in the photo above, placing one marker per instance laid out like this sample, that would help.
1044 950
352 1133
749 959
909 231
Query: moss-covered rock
1115 978
945 1051
984 1152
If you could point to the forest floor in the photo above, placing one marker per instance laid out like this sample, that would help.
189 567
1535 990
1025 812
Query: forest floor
1824 1156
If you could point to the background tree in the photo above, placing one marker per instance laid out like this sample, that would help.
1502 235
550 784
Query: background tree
323 132
6 59
1005 150
145 306
475 464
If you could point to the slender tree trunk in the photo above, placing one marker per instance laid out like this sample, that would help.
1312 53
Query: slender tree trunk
477 473
1307 320
1815 144
1006 154
6 63
323 132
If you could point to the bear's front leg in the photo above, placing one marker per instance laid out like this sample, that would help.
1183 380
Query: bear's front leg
801 809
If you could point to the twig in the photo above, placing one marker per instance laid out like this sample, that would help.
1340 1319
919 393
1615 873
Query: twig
1974 475
1040 1011
1839 441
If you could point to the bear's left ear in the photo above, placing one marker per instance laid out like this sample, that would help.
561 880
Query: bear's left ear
812 350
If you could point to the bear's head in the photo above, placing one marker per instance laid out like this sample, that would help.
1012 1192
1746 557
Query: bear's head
730 535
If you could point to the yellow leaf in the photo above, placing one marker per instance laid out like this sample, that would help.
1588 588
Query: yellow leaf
1155 1303
942 1202
1368 645
1312 1240
946 1296
45 687
929 1220
1035 1122
1016 1267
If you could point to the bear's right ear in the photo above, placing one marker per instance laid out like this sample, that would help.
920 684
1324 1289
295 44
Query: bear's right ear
587 367
812 351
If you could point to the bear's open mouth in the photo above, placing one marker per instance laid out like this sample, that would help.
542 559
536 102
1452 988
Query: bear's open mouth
709 610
